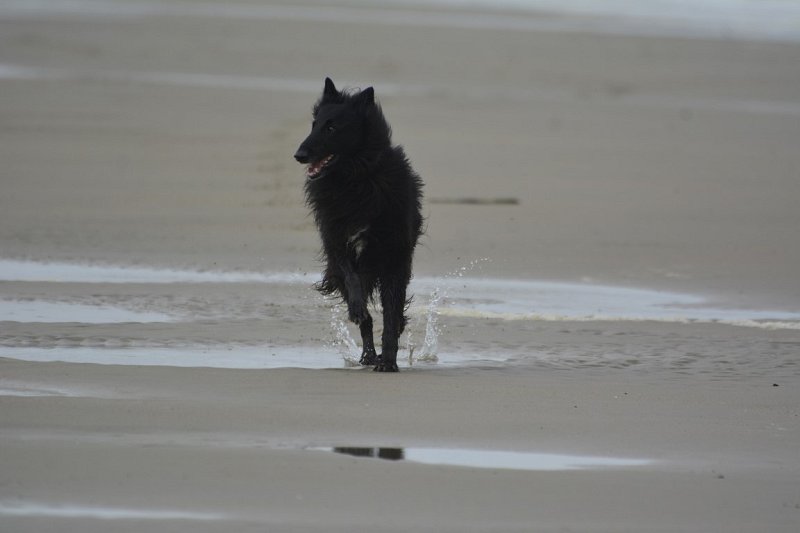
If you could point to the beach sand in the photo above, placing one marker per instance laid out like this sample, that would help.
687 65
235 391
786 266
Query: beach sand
162 139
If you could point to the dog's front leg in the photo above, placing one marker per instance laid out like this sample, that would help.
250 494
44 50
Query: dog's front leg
357 312
356 300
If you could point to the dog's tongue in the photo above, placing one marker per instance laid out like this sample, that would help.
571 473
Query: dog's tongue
313 169
316 167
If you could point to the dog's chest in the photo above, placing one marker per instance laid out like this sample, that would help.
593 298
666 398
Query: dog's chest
357 241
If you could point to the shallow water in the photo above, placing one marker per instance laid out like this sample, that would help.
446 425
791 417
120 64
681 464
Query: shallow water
241 357
511 299
495 459
257 357
454 294
44 311
161 321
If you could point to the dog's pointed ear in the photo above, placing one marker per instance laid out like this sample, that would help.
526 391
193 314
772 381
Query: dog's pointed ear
330 88
367 96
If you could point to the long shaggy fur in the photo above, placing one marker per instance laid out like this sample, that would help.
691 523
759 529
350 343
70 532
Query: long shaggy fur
366 202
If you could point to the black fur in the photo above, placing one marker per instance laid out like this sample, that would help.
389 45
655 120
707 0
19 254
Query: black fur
366 199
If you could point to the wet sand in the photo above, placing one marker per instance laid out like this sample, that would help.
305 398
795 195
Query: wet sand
164 140
229 443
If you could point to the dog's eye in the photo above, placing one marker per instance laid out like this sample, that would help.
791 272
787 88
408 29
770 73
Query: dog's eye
330 128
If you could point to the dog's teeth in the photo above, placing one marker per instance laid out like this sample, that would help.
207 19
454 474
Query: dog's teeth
314 169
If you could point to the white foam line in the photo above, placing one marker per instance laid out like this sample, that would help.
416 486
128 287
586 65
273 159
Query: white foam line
765 24
32 509
10 71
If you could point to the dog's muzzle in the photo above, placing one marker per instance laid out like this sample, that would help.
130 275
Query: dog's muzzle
302 155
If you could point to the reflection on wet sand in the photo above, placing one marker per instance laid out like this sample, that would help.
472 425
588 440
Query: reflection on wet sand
496 459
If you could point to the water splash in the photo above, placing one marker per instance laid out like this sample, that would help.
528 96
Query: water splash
469 267
343 341
428 352
430 345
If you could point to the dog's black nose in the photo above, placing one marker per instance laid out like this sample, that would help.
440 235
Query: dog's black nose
301 155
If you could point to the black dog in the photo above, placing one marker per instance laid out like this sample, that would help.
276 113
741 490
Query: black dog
366 202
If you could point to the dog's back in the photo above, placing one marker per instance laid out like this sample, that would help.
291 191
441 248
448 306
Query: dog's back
366 201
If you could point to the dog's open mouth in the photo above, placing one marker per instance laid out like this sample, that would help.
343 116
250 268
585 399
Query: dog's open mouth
315 169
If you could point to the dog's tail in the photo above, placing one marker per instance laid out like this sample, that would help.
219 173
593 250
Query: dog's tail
327 286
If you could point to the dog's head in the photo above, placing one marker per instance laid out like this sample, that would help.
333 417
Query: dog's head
339 129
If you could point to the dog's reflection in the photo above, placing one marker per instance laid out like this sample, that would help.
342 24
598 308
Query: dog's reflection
391 454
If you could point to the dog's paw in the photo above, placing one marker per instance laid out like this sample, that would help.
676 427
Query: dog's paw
368 358
384 366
